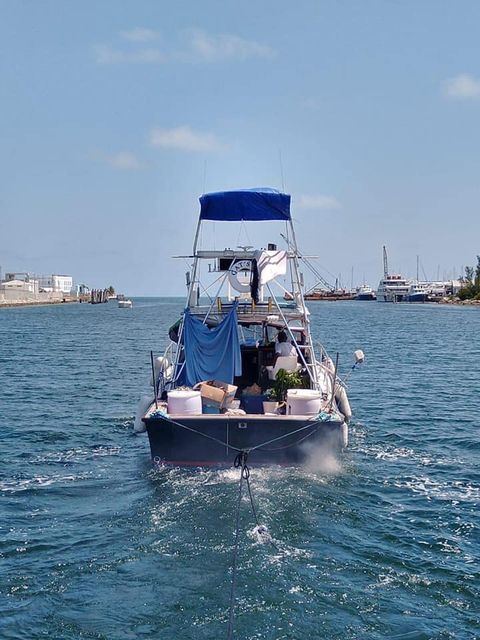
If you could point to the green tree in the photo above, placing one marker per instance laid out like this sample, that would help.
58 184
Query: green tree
471 283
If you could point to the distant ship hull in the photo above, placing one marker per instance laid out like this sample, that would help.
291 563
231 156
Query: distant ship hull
417 297
366 296
330 295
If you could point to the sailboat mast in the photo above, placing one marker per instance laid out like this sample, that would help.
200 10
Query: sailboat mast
385 263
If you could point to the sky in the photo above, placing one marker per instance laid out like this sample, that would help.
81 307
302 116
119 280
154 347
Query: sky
115 116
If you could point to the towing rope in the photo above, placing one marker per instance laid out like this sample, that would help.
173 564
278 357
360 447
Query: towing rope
240 461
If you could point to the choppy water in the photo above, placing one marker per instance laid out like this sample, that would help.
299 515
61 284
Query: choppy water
95 544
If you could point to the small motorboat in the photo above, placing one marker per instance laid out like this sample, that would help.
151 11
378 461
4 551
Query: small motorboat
125 304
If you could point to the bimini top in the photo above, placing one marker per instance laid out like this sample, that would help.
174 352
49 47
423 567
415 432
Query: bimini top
245 204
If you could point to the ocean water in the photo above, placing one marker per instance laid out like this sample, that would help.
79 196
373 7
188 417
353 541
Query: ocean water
96 544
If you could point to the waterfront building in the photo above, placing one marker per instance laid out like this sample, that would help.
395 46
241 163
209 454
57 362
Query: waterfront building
56 283
19 281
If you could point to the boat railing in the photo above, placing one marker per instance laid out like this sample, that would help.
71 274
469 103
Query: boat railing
249 308
325 358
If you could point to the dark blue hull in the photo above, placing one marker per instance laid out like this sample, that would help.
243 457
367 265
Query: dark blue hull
207 440
418 297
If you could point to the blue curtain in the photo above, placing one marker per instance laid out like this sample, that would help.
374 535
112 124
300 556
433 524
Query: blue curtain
211 354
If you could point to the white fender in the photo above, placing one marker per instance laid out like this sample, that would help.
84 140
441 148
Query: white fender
344 436
343 404
142 406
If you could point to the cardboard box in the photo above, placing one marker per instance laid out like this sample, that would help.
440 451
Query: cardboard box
216 393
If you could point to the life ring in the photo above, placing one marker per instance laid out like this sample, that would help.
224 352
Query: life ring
237 268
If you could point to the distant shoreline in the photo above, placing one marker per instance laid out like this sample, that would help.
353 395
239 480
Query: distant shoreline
34 303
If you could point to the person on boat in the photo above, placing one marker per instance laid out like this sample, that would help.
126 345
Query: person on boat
283 347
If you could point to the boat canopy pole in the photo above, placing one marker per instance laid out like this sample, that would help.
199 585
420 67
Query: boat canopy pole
302 357
224 277
195 264
280 286
314 270
191 290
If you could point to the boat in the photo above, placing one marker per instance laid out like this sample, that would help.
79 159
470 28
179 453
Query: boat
213 386
392 287
334 295
365 293
125 303
419 292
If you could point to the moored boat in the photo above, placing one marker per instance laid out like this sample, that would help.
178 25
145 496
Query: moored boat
242 373
365 293
418 292
334 295
392 287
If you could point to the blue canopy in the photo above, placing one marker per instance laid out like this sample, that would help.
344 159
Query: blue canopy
211 354
245 204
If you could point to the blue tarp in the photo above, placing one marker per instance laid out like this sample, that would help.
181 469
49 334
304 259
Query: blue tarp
211 354
245 204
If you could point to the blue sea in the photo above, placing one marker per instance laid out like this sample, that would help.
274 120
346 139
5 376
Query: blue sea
382 542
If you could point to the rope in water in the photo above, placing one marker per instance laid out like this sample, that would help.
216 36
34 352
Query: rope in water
240 461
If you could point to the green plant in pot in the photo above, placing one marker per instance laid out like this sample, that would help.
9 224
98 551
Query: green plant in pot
285 380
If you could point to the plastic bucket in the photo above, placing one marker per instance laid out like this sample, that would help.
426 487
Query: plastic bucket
269 406
184 402
303 402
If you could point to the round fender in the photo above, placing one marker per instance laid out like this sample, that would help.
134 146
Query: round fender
142 406
344 436
343 404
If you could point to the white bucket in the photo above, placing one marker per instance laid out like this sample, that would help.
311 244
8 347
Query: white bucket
184 402
303 402
270 406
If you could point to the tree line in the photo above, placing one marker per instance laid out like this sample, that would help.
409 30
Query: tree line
471 283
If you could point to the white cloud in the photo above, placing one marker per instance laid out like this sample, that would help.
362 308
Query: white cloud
463 86
107 55
214 48
199 47
124 160
316 202
139 34
185 139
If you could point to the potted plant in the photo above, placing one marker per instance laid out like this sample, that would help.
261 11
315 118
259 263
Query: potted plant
284 381
270 405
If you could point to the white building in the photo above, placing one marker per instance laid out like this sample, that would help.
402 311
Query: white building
21 282
56 283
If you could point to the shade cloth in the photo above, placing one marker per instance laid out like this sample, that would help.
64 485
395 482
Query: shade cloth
270 264
245 204
211 354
